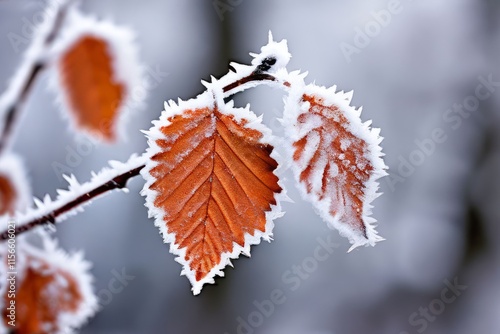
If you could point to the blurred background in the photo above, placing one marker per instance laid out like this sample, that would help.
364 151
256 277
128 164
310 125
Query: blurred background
415 72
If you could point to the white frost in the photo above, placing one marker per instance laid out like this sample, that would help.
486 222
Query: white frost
272 49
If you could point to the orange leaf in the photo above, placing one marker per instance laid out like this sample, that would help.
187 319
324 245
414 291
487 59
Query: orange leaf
51 291
336 160
98 76
8 196
210 184
88 78
15 193
41 297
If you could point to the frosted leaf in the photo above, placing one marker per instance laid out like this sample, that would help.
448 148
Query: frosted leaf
210 184
53 289
95 75
336 158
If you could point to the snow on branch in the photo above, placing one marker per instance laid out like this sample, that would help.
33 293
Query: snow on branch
71 201
268 67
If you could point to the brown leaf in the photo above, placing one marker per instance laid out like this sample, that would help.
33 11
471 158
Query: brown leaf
88 77
352 166
336 160
213 181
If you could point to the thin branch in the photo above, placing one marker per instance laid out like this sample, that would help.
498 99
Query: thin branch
13 112
118 182
32 73
255 76
258 76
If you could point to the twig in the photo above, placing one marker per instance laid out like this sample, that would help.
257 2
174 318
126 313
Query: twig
30 74
255 76
13 111
118 182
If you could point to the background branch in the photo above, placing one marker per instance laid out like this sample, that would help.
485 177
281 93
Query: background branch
14 99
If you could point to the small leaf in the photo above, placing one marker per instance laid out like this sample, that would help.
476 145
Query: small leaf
210 184
93 93
97 70
52 293
336 159
14 189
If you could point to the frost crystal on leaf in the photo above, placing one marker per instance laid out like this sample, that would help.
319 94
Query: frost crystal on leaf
96 72
336 158
53 289
210 184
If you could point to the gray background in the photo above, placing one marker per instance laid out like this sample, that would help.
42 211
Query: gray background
440 223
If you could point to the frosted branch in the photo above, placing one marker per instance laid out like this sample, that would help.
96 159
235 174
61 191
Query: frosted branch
71 201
